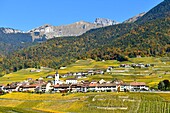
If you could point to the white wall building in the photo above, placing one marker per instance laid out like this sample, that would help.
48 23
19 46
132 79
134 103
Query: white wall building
71 81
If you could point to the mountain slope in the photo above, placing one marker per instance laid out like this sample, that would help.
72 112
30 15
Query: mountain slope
162 10
135 18
114 42
11 40
151 38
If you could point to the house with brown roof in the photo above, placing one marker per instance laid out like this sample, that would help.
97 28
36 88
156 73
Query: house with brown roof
108 87
92 87
61 87
135 86
14 86
26 88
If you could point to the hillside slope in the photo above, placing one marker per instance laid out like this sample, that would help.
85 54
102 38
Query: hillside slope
162 10
147 38
11 40
114 42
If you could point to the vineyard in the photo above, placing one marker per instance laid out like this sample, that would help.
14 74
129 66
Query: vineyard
85 103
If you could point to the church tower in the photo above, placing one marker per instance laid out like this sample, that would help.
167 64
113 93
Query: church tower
56 79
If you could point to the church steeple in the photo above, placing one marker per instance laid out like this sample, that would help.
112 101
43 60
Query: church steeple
56 78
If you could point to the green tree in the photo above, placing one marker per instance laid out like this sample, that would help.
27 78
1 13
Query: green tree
161 85
167 84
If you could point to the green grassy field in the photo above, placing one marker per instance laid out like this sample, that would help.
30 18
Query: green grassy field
151 75
85 103
24 75
85 65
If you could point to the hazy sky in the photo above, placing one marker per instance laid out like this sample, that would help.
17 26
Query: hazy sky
28 14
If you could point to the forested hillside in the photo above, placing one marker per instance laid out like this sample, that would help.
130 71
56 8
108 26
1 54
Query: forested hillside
162 10
114 42
147 37
10 42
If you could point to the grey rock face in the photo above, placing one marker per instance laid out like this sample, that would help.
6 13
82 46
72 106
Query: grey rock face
105 22
135 18
75 29
10 30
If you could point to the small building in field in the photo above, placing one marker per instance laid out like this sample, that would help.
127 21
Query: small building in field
109 69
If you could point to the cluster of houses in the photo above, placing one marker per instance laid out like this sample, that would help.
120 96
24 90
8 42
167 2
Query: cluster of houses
82 74
72 85
139 65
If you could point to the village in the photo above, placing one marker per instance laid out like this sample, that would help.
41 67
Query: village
73 84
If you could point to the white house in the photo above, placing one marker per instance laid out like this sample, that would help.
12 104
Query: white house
1 87
29 87
47 87
102 81
110 87
109 69
71 81
134 86
124 87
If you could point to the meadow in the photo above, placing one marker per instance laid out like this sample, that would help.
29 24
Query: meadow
103 102
151 75
85 102
25 74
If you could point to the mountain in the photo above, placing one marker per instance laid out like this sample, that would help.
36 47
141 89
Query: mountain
119 42
135 18
9 30
49 31
105 22
162 10
12 39
114 42
75 29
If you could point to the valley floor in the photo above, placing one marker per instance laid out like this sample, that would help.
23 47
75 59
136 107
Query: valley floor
85 102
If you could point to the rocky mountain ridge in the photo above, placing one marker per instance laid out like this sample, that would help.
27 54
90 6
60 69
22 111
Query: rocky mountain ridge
9 30
135 18
105 22
48 31
75 29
